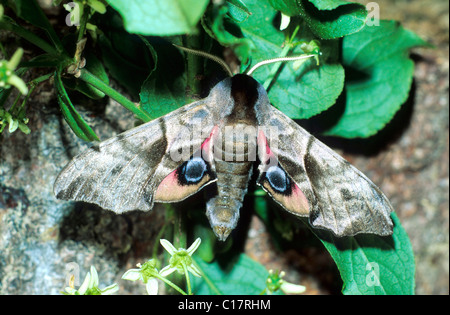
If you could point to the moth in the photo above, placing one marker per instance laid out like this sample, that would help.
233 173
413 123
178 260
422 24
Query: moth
218 140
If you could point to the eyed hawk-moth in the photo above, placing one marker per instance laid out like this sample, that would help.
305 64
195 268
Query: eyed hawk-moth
218 140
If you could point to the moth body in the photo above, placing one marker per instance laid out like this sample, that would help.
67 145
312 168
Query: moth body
232 164
233 154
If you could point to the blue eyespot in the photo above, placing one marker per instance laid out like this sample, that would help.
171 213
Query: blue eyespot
278 179
192 171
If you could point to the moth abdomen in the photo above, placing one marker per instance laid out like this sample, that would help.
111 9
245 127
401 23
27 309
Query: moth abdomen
232 183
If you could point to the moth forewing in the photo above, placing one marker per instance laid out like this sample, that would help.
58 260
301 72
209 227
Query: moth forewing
184 135
123 172
340 198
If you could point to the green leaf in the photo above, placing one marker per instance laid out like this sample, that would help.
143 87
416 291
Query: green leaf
95 66
226 31
164 89
237 10
327 19
329 4
8 24
368 264
72 117
206 252
371 264
160 17
240 276
300 93
124 55
97 5
30 11
45 60
379 76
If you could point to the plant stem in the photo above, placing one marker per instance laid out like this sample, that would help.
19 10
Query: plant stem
88 77
283 53
194 66
4 94
13 106
170 283
40 79
83 22
174 232
32 85
188 279
179 233
206 278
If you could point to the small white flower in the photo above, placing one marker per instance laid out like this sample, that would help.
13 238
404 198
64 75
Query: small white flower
275 282
7 75
90 286
132 275
146 273
290 288
152 286
285 20
90 282
113 288
181 259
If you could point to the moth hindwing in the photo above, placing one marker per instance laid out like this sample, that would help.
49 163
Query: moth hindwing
219 139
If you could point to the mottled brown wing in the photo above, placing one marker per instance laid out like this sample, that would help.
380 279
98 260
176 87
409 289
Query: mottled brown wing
123 172
339 197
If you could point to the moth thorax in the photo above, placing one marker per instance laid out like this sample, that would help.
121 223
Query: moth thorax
236 143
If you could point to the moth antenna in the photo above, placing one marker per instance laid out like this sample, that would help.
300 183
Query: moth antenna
279 59
209 56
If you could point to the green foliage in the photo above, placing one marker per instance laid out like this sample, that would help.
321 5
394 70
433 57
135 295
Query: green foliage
30 11
380 77
72 117
368 264
241 275
327 19
366 67
162 18
299 93
371 264
164 89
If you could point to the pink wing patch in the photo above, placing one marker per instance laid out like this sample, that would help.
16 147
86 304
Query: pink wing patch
169 189
189 177
295 201
274 179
